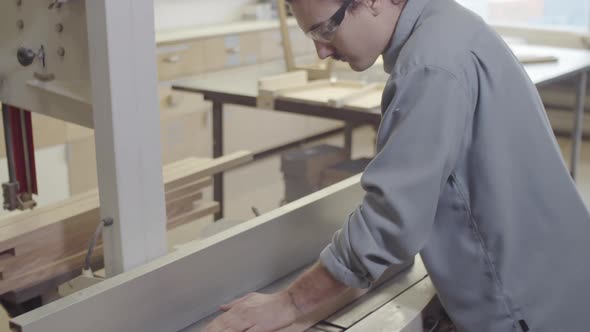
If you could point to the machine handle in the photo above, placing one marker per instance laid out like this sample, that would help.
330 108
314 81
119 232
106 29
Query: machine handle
173 59
233 50
25 56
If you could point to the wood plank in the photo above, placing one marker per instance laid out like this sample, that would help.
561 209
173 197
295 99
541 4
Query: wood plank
283 81
322 94
76 260
61 266
182 205
208 169
11 218
68 237
528 59
343 100
201 210
189 188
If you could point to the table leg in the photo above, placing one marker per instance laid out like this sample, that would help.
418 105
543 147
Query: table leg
578 123
348 138
218 152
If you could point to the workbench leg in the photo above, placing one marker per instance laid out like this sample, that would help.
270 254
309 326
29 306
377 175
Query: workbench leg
218 152
578 123
348 129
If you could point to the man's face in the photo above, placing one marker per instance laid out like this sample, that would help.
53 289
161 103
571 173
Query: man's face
362 35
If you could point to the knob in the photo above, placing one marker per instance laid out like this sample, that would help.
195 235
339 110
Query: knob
25 56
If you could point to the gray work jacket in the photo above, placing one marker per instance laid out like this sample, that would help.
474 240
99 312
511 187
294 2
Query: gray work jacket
468 174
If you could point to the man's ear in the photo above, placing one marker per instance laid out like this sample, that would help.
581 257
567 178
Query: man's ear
375 7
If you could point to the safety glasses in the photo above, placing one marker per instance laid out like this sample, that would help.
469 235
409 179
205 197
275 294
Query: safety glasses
324 32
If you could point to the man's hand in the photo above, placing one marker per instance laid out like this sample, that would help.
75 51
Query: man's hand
256 313
269 313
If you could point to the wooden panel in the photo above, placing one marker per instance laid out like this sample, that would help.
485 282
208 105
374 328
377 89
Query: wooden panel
221 52
271 47
75 132
81 155
81 158
47 132
182 135
179 101
249 48
186 125
180 60
200 210
231 51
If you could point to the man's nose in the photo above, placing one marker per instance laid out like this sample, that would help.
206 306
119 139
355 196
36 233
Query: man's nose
324 50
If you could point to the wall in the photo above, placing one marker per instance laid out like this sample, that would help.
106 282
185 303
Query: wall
181 13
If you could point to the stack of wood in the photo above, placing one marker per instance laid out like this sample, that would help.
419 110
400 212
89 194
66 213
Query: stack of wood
343 170
46 243
302 168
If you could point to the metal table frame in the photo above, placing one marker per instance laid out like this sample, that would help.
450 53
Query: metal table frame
354 117
351 117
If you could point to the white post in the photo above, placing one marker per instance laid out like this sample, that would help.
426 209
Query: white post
122 49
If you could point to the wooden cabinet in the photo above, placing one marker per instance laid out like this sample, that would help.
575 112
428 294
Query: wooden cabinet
231 51
184 59
271 45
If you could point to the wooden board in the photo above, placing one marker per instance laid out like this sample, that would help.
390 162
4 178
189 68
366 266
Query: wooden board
187 189
213 167
529 59
48 242
296 86
348 94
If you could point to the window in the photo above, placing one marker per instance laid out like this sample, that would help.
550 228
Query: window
563 14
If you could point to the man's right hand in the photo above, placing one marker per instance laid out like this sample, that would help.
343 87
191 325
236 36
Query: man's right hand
269 313
256 313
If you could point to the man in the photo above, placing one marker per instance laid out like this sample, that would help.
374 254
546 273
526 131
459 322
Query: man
468 174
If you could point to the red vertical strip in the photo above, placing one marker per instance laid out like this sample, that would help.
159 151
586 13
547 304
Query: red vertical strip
31 150
19 148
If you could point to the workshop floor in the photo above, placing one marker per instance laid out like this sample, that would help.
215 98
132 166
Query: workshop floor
261 185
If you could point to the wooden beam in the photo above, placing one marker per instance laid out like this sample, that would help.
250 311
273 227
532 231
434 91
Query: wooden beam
286 37
208 169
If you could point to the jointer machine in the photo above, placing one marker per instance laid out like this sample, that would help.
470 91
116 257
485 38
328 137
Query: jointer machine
72 60
182 290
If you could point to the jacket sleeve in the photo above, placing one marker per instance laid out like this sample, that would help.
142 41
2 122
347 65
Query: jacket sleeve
418 144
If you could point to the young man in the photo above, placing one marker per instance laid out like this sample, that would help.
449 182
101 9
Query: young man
468 174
